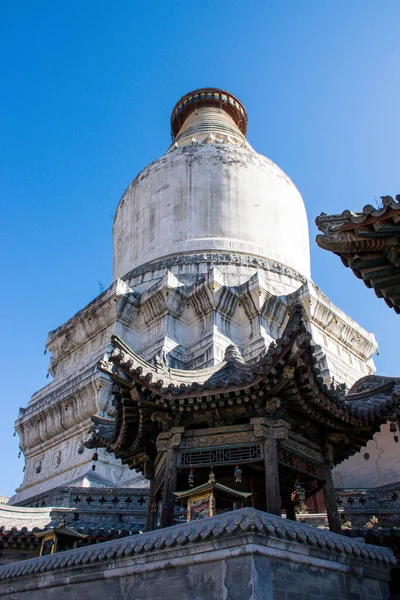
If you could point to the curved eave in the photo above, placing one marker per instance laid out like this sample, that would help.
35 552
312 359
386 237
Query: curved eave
368 243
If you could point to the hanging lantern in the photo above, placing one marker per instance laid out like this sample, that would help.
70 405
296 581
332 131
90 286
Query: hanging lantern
181 511
238 474
392 427
191 477
154 505
95 457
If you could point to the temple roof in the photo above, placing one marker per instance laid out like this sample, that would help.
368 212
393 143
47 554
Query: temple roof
212 530
88 532
210 486
369 243
62 529
284 382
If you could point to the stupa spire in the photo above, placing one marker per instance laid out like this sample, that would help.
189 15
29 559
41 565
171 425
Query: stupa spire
208 114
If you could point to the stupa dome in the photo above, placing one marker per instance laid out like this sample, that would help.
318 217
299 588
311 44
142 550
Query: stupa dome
211 192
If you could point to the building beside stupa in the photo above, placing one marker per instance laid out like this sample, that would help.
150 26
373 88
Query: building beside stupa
211 249
368 241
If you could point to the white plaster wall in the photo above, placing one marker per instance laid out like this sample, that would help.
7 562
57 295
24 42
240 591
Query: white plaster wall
381 468
209 197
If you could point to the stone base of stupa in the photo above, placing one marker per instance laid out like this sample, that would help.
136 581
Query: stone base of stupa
241 555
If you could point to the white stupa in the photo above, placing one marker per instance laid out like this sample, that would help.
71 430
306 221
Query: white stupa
211 248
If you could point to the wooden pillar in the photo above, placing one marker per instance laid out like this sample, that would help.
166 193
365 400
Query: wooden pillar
288 505
150 516
170 480
168 443
319 502
330 501
272 492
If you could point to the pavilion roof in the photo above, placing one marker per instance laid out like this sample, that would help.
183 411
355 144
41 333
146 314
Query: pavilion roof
369 243
283 382
62 529
88 533
211 486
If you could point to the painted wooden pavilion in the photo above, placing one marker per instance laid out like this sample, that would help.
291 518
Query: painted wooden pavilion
267 428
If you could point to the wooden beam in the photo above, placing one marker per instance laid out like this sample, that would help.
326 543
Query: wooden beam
150 516
376 260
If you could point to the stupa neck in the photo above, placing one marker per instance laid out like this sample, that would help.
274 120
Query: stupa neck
208 114
208 122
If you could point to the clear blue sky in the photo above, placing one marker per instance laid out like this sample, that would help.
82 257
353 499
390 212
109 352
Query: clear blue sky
87 91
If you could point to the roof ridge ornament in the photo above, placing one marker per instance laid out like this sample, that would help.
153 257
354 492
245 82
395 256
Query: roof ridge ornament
232 353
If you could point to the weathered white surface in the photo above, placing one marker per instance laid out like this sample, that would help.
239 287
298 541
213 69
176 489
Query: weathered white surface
194 324
210 125
381 468
211 197
54 426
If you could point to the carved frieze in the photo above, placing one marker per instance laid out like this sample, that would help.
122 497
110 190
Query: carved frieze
302 449
300 464
226 455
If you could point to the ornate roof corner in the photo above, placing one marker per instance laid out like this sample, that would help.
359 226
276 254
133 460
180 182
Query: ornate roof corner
368 242
102 433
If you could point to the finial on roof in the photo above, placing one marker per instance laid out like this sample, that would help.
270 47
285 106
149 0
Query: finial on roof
211 477
232 353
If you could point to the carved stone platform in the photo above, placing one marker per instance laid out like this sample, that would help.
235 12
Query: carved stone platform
241 555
